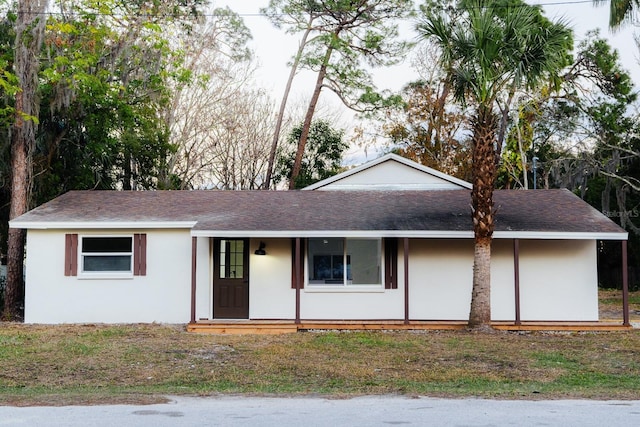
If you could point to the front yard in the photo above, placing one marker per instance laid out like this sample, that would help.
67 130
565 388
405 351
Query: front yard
93 364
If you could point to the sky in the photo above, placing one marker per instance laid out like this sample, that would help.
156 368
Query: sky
273 49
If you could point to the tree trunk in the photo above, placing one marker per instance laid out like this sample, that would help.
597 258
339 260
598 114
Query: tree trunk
29 28
283 105
302 142
480 313
484 173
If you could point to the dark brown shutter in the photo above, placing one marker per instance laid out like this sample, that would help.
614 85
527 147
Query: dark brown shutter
293 263
70 254
391 263
139 254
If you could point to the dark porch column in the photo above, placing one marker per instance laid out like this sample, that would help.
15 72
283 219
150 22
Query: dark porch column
406 280
297 263
625 286
516 278
194 256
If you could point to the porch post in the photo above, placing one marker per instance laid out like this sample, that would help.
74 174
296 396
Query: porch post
194 256
516 277
625 286
406 280
297 273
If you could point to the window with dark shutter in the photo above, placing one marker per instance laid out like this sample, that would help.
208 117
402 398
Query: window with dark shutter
96 256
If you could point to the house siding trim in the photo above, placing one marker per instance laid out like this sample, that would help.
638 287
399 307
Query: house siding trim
298 274
625 286
194 271
516 279
101 225
412 234
406 280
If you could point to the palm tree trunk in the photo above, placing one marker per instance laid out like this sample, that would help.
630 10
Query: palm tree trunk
484 172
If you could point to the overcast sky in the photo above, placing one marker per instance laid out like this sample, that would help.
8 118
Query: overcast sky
274 48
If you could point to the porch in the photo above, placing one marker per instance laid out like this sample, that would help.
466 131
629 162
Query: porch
290 326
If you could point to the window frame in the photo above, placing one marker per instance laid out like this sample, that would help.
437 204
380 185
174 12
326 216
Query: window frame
117 274
347 285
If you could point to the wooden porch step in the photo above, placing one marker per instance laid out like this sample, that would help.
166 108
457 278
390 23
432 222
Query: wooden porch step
241 328
562 326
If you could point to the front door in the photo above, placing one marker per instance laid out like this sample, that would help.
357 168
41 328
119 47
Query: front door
231 279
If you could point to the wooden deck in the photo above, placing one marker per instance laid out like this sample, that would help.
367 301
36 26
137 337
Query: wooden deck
289 326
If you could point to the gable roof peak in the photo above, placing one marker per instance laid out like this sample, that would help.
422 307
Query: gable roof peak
339 181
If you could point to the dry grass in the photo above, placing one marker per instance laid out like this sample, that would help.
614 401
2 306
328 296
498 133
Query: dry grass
610 304
141 363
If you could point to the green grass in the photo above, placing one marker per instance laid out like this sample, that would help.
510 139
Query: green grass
97 364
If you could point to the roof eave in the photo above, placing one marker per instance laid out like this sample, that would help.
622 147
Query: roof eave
417 234
100 225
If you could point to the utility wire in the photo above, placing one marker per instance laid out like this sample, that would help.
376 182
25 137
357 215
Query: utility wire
243 15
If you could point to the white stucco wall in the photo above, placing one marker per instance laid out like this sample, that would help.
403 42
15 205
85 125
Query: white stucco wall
352 305
270 292
503 280
204 271
558 280
440 278
163 295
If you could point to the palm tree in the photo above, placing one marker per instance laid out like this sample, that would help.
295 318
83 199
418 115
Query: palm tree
620 11
490 49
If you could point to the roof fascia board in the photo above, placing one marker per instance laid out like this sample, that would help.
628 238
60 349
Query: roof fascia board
425 234
335 233
559 235
50 225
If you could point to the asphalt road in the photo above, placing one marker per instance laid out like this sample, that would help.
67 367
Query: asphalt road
310 412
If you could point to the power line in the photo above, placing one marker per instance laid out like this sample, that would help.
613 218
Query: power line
217 15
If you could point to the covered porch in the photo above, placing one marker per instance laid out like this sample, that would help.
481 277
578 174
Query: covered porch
299 323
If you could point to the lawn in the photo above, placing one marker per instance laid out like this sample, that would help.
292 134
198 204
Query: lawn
91 364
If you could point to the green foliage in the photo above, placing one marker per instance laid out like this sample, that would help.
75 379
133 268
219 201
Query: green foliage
107 76
427 130
621 12
346 37
490 47
322 158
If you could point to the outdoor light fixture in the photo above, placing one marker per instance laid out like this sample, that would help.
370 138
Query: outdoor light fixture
260 250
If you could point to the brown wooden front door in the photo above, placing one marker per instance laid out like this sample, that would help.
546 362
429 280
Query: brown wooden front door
231 279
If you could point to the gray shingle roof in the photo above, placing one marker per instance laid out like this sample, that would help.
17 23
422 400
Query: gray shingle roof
307 211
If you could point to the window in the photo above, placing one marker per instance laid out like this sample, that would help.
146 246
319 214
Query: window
344 262
106 254
98 256
232 259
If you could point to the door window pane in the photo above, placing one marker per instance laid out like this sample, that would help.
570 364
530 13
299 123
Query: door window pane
231 259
